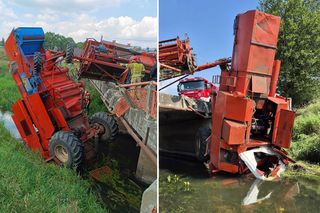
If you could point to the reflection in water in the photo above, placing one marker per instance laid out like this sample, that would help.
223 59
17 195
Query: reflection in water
252 196
230 193
6 120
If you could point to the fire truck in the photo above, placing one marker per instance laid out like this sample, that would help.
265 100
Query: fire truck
197 88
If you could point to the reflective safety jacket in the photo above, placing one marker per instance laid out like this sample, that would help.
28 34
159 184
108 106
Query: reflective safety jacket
137 70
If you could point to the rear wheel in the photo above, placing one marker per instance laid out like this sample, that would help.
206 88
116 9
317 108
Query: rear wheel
37 62
202 135
67 148
110 126
69 54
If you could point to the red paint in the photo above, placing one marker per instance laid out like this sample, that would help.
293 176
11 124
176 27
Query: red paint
246 112
58 104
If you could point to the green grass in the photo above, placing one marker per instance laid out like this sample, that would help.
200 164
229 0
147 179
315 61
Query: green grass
306 134
28 184
9 91
97 104
304 171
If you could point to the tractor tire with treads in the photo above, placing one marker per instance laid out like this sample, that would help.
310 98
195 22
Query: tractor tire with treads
67 148
37 62
69 54
109 124
201 143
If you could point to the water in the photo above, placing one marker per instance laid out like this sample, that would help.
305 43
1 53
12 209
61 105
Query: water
6 120
187 187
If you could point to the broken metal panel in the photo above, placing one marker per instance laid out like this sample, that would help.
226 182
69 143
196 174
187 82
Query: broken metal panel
250 160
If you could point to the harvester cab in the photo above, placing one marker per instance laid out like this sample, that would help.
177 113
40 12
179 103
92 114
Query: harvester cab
251 125
50 115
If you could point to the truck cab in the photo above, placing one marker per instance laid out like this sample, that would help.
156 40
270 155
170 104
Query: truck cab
196 88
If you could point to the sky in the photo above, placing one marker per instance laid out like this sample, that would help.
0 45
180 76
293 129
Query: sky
209 25
127 21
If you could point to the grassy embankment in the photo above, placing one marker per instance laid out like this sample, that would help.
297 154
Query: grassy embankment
305 146
28 184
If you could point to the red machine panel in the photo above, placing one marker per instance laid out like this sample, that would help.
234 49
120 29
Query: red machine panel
237 108
40 117
256 41
25 126
284 129
233 132
283 123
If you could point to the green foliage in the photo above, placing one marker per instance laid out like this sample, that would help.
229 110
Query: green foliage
97 104
119 193
298 47
57 41
306 125
306 134
175 193
79 45
304 171
28 184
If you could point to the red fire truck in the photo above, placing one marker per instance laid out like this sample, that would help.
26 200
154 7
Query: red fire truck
196 88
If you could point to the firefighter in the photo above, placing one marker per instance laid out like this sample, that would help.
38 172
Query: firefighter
137 71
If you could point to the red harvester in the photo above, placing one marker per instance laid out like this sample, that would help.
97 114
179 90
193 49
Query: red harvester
251 125
50 115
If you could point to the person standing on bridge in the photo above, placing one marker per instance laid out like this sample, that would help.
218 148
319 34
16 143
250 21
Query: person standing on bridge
137 71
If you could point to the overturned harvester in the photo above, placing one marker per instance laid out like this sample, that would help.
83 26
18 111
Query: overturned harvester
106 61
251 124
50 116
132 105
177 59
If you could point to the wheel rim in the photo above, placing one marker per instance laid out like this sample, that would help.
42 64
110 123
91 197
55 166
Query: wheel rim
61 153
105 131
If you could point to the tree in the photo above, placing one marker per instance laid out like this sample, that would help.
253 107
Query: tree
79 45
57 42
298 47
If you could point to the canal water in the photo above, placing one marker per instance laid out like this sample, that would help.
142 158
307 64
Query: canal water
186 186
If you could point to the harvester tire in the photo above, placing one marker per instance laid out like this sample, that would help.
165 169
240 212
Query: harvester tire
201 143
69 54
109 124
67 148
37 62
